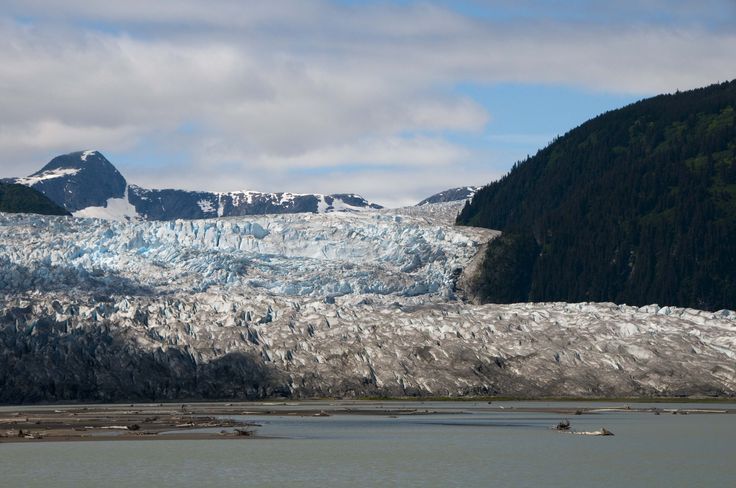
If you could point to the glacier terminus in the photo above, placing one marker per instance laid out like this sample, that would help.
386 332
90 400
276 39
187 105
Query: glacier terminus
318 304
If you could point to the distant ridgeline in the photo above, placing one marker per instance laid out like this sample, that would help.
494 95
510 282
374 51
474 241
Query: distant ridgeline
635 206
21 199
88 185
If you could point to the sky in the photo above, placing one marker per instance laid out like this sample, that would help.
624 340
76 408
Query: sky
393 100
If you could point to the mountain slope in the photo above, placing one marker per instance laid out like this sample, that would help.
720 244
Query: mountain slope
88 185
451 195
635 206
21 199
78 180
181 204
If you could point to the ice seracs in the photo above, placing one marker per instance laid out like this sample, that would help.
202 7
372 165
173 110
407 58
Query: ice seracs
341 304
290 254
377 345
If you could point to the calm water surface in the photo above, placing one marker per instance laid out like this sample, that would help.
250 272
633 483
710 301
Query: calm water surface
473 448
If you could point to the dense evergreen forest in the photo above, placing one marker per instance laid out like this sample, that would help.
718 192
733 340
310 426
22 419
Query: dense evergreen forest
21 199
635 206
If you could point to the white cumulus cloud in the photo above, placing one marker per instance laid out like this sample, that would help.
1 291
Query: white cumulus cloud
353 93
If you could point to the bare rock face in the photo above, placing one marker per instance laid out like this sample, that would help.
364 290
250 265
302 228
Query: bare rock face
308 305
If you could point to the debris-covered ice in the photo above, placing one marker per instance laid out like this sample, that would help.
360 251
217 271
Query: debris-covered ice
315 304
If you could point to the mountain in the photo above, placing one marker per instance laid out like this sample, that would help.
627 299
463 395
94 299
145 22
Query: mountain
180 204
21 199
326 305
78 180
88 185
637 205
451 195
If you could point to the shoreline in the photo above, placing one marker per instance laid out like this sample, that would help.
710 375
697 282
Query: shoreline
219 420
549 399
368 399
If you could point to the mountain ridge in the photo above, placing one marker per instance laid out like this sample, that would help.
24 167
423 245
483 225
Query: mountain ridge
88 185
451 195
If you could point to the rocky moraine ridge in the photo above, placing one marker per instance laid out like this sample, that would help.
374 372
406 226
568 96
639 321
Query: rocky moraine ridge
301 305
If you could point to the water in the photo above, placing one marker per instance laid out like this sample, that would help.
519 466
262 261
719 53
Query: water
474 448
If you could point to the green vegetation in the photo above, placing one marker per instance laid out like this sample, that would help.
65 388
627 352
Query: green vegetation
636 206
506 274
21 199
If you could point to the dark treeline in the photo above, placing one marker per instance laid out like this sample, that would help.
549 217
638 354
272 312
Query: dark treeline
636 206
21 199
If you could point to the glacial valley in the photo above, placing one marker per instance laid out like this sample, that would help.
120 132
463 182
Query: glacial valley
340 304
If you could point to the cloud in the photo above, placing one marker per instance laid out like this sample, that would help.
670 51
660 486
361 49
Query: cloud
380 152
353 92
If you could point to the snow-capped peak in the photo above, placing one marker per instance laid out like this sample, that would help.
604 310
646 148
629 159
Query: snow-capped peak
86 184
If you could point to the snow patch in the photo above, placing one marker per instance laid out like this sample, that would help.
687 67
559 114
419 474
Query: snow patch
114 209
87 153
220 206
47 175
339 205
287 198
322 205
206 206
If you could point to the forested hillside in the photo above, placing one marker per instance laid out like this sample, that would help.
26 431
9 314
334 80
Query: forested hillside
21 199
636 206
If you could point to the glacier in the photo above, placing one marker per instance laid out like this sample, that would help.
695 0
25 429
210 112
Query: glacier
288 254
303 305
